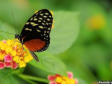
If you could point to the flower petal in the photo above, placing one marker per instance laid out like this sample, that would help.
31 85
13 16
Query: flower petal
52 82
8 58
70 75
76 81
14 65
57 75
51 78
2 65
4 41
7 64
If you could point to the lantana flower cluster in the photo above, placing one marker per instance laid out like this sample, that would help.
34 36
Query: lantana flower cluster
59 79
13 54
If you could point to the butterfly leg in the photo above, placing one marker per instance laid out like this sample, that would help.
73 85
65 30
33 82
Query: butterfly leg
34 56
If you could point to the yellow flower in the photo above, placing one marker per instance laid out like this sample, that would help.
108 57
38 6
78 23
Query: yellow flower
22 64
13 54
1 57
59 79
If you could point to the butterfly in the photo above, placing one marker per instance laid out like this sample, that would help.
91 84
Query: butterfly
35 34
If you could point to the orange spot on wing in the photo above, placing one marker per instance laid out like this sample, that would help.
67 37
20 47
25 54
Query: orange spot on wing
34 44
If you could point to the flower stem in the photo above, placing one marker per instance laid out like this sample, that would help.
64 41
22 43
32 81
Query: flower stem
33 78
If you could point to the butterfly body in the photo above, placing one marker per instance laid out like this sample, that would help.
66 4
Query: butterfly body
36 32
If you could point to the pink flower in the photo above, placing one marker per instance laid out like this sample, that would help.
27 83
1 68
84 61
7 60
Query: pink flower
70 74
59 79
51 78
2 65
7 64
52 82
76 81
13 55
8 58
4 41
14 65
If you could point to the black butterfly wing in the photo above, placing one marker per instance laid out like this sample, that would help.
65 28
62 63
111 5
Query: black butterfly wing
36 31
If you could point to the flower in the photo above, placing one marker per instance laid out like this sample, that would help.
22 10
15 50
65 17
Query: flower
13 54
59 79
1 65
96 22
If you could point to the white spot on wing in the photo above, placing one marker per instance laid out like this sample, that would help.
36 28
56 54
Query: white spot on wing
48 19
38 31
45 16
28 29
41 14
33 24
41 27
46 13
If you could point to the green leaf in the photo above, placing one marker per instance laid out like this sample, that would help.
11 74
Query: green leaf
13 13
8 76
6 31
66 28
33 78
49 63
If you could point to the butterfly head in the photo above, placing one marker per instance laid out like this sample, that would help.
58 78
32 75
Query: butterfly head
17 36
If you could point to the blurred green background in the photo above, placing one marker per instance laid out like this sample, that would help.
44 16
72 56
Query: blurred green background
81 41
